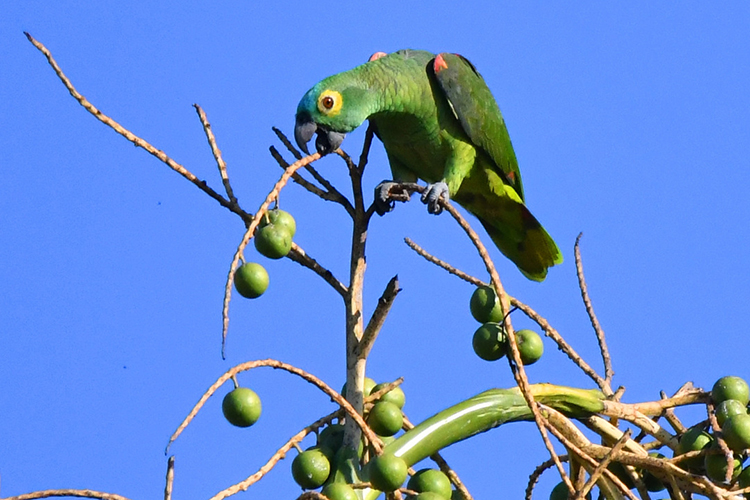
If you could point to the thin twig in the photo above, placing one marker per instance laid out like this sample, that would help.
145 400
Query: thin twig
298 178
67 493
546 327
217 154
330 193
249 365
275 458
608 372
516 365
249 234
141 143
298 255
728 454
170 479
363 157
378 317
448 471
441 263
318 177
603 464
550 332
538 471
577 443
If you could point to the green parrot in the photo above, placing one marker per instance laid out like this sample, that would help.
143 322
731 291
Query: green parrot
438 122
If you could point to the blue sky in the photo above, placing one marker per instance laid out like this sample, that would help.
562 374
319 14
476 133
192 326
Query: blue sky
631 123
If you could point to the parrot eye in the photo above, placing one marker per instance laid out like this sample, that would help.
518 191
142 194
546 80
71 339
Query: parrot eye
329 103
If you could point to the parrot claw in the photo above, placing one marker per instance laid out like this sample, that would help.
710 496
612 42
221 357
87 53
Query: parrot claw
433 193
385 200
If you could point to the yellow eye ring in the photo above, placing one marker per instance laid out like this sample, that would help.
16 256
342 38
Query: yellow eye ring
329 103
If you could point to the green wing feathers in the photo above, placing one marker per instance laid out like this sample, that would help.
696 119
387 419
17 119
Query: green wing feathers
476 109
525 242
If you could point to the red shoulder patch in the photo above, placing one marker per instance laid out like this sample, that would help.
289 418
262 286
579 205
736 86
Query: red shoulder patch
376 56
439 64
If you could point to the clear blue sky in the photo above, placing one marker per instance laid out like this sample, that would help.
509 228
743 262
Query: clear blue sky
631 123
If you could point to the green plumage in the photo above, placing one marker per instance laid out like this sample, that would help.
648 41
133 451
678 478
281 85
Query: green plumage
438 122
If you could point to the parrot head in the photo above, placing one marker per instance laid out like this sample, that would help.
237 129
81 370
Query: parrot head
332 108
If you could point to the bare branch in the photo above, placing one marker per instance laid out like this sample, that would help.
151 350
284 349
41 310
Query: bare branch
332 194
249 234
378 317
534 476
441 263
608 372
318 177
141 143
298 255
550 332
170 479
599 470
275 458
67 493
217 154
363 157
249 365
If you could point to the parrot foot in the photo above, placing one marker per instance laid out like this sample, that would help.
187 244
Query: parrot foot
387 193
433 193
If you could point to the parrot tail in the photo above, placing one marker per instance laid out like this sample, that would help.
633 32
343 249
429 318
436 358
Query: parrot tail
525 242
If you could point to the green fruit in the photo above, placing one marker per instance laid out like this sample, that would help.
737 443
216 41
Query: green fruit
530 346
730 388
729 408
332 437
251 280
652 482
395 395
622 474
485 306
430 495
559 492
695 439
280 218
385 418
241 407
311 468
273 241
367 389
339 491
489 342
387 472
430 480
736 431
716 466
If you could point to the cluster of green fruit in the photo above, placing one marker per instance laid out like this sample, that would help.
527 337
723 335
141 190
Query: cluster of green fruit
730 396
315 467
273 239
490 341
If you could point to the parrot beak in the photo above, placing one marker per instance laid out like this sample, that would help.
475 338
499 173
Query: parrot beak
304 128
327 140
